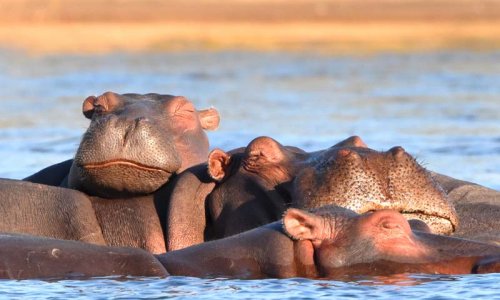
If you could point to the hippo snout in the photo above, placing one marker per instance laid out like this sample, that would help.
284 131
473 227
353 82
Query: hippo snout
117 151
363 180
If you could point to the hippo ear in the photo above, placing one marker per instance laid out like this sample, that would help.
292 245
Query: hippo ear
301 225
263 150
209 118
353 141
218 163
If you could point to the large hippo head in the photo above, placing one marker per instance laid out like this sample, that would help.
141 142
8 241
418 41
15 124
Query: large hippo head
136 142
348 174
355 177
341 242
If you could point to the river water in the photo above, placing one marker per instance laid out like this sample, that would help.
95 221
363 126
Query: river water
442 107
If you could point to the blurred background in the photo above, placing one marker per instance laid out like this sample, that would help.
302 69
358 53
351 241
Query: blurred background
421 74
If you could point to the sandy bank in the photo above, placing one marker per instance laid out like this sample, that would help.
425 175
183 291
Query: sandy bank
342 26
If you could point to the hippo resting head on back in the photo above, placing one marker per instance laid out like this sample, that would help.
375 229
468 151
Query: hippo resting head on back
352 176
328 242
255 184
332 242
348 174
136 142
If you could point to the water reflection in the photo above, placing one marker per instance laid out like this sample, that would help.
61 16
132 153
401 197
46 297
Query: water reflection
404 279
414 286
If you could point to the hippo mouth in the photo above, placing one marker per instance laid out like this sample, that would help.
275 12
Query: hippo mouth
437 224
125 163
118 178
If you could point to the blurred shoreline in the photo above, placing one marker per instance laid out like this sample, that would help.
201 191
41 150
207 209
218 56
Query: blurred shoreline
342 26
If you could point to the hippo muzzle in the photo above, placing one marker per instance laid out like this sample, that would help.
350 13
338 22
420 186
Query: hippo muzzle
123 156
363 180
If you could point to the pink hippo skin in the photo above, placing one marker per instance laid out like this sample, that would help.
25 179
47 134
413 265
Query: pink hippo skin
326 243
332 242
252 186
113 192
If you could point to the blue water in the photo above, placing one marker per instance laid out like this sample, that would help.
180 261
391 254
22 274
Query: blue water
411 287
443 107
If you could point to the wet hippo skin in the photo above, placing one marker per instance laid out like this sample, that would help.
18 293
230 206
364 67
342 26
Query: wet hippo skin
113 192
331 242
478 208
325 243
252 186
25 257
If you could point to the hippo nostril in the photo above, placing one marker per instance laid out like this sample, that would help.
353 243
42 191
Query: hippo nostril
397 151
348 154
141 120
344 152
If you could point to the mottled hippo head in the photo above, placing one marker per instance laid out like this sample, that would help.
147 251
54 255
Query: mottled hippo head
136 142
341 242
352 176
348 174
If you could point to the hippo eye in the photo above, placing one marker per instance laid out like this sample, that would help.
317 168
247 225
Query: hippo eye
184 108
99 109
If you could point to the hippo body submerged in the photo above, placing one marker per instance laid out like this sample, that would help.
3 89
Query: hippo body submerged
253 186
113 192
477 207
333 243
326 243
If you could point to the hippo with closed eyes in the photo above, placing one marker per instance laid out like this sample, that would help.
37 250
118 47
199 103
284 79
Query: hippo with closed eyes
252 186
113 191
328 242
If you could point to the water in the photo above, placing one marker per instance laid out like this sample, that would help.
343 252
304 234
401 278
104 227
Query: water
409 287
443 107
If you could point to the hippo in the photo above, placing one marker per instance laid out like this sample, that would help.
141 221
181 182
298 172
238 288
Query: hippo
113 191
26 257
252 186
331 242
328 242
478 208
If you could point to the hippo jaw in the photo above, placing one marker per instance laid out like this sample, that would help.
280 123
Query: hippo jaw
115 159
112 179
437 224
